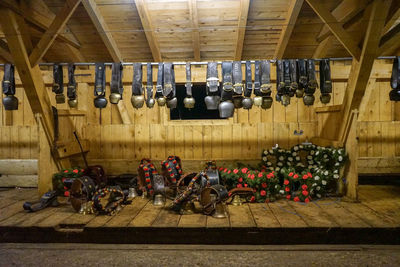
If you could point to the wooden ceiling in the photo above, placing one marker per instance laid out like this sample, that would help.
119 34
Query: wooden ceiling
195 30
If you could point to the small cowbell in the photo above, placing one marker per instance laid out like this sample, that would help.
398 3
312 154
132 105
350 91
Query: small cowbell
325 98
237 201
226 109
73 103
10 102
266 102
115 98
171 104
158 200
137 101
237 102
247 103
150 102
189 102
161 101
257 101
100 102
212 102
308 100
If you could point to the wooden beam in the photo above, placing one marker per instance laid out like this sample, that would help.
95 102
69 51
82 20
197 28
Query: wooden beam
102 28
148 30
37 13
123 112
393 19
361 70
5 52
332 108
71 148
243 12
336 28
288 26
323 47
390 41
344 12
53 31
195 26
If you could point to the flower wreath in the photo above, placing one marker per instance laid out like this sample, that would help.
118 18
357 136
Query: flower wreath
60 177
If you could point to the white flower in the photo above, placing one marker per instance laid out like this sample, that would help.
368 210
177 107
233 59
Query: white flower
314 184
265 152
294 154
323 182
277 169
281 192
276 186
301 146
271 151
325 156
281 158
309 157
312 152
316 178
336 171
290 159
339 151
310 162
317 153
318 188
318 196
295 148
340 158
337 164
326 172
298 158
265 158
269 163
336 176
280 164
280 150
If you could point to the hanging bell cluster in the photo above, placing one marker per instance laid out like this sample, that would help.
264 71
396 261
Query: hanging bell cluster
58 85
394 94
10 102
71 89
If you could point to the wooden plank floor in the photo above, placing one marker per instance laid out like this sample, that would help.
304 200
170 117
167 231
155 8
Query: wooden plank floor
376 219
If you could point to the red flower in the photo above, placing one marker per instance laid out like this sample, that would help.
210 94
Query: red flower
296 199
263 193
309 174
229 171
287 189
235 171
240 180
244 170
82 170
225 169
65 188
252 199
307 200
269 175
264 185
288 196
295 176
252 177
66 194
221 168
260 174
286 182
305 193
248 175
254 190
304 186
66 171
239 186
305 176
291 174
75 171
245 185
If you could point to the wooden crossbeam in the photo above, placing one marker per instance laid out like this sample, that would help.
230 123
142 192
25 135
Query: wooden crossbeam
344 12
323 47
336 28
5 52
392 20
287 29
390 41
102 29
195 26
243 13
41 18
53 31
148 30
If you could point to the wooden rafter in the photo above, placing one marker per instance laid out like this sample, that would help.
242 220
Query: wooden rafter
344 12
102 28
5 52
287 29
323 47
53 31
392 20
40 18
243 13
195 26
148 30
336 28
390 41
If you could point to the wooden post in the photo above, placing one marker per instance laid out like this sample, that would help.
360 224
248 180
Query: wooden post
351 171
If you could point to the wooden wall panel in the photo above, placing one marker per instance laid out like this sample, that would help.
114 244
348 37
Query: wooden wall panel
18 142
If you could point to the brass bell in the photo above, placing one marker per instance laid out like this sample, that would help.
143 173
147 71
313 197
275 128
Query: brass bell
258 101
158 200
308 100
266 102
325 98
137 101
247 103
237 102
161 101
299 93
115 98
171 104
189 102
132 193
188 208
285 100
220 211
60 98
73 103
237 201
150 102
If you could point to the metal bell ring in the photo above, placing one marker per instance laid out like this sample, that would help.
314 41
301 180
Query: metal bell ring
161 101
308 100
150 102
10 102
132 193
247 103
115 98
220 210
189 102
266 102
137 101
158 200
325 98
60 98
257 101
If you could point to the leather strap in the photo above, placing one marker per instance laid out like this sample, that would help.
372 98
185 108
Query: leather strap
280 78
172 169
8 83
168 80
325 76
395 78
173 82
137 79
100 80
249 83
188 80
55 123
49 198
108 199
265 78
58 85
302 74
149 84
206 201
286 75
312 81
71 89
294 83
237 78
116 79
212 78
257 78
160 79
227 86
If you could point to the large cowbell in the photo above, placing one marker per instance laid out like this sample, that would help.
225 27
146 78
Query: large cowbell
226 109
10 102
212 102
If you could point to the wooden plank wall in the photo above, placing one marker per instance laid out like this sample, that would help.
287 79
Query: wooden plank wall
153 135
